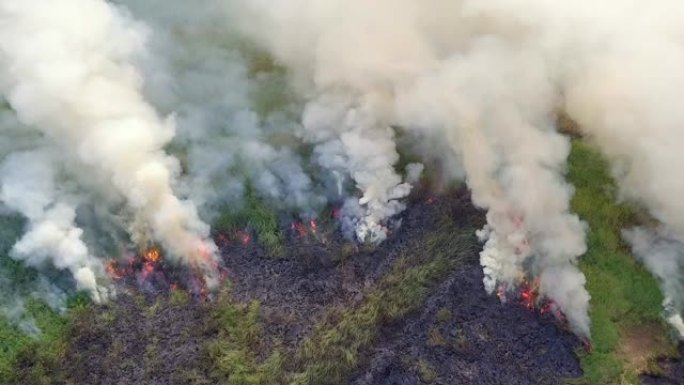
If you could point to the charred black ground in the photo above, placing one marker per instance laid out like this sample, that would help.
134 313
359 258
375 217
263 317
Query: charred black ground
412 311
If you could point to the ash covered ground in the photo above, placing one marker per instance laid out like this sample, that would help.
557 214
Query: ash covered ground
460 335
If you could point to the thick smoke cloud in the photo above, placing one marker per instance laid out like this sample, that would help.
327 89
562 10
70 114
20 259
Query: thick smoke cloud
226 136
66 71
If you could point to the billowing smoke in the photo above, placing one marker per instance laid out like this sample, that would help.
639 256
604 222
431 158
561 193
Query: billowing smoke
28 186
228 137
65 69
663 254
622 88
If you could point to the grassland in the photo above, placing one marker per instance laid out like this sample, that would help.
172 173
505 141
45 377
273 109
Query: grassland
625 299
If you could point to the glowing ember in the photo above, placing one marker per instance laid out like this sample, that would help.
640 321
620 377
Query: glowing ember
528 298
527 294
244 237
222 240
299 228
303 230
113 270
148 272
501 293
152 255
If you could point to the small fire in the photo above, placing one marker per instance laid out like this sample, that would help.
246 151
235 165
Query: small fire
148 272
299 228
152 255
588 346
501 293
303 230
113 270
244 237
529 295
222 240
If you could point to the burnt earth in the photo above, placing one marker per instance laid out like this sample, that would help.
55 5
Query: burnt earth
464 336
318 274
461 336
671 371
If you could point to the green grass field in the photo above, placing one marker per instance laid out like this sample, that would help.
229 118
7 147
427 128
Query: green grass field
625 299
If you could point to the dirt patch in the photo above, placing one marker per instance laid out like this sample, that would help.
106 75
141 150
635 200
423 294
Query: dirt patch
666 370
640 344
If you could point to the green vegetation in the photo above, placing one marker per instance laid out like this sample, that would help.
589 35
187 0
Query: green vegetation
233 352
255 216
16 279
623 294
33 361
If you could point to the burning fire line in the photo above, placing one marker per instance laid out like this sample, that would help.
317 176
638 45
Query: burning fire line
147 270
527 294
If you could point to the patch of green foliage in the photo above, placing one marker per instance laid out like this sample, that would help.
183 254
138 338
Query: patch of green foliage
233 351
255 216
623 293
35 360
19 278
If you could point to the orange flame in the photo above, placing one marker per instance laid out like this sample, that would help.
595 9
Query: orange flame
112 270
244 237
152 255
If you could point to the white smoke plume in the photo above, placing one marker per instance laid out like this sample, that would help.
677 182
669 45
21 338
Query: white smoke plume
195 69
52 237
65 69
346 115
352 143
623 90
663 255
